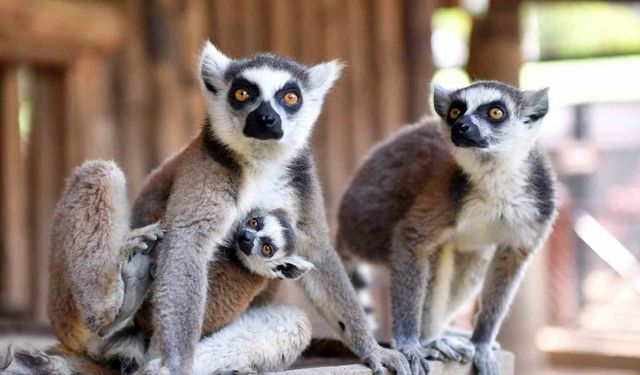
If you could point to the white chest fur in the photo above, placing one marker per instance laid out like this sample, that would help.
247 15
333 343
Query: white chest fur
498 211
266 187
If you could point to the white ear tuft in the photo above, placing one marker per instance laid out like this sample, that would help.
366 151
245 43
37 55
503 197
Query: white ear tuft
213 64
441 100
292 267
323 76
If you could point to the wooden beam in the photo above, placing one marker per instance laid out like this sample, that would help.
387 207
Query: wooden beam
13 199
56 31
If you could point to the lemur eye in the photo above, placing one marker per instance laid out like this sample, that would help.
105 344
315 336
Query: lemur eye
241 95
253 223
454 113
266 250
291 98
496 113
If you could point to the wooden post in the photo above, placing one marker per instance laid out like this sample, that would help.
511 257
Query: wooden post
14 282
46 175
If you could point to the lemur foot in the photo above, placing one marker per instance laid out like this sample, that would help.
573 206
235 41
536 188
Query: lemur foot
415 354
143 239
484 362
450 348
394 361
135 272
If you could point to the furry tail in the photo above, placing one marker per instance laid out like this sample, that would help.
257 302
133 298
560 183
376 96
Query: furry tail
360 276
53 361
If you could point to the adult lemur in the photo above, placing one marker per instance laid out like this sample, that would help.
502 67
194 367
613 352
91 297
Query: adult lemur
252 152
448 204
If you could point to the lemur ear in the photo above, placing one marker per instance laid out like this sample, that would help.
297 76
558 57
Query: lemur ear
536 104
441 100
213 64
323 76
293 267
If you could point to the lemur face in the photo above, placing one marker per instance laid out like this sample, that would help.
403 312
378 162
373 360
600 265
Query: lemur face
266 245
490 117
264 102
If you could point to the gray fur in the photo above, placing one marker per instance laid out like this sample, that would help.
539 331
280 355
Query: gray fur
435 212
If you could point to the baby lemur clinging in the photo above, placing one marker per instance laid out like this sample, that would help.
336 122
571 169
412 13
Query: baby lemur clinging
450 205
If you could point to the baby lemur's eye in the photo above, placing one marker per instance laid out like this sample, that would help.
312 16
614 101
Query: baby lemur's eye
253 223
496 113
241 95
266 250
290 98
454 113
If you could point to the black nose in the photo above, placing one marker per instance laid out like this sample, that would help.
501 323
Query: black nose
465 133
267 119
463 128
245 241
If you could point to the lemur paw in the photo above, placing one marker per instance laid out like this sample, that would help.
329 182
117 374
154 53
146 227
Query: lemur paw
154 367
394 361
450 348
143 239
484 361
415 354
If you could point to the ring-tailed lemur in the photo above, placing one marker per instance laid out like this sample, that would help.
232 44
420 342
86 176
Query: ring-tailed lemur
450 205
252 152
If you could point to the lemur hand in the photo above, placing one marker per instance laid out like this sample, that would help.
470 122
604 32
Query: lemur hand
391 359
450 348
484 361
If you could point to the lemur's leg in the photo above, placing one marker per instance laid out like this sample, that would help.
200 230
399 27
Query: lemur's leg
503 277
457 278
410 268
262 339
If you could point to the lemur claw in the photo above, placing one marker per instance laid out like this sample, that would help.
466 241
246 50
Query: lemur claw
143 239
394 361
484 362
418 363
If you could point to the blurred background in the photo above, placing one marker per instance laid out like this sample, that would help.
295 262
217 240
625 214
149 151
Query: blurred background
116 80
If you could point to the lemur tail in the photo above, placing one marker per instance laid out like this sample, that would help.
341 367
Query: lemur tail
360 276
54 361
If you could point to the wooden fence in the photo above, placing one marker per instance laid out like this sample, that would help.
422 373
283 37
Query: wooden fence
94 79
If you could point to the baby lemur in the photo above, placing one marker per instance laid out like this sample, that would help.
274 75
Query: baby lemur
450 205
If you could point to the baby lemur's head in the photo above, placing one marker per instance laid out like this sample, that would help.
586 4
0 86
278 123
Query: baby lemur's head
264 105
266 244
490 118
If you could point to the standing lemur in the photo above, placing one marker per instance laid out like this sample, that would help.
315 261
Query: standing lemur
252 152
450 205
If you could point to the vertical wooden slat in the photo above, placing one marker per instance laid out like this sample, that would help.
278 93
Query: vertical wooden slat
420 68
337 109
283 27
255 37
390 68
13 222
134 81
46 175
228 28
361 68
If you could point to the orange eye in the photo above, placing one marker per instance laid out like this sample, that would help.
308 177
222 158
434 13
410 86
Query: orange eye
241 95
454 113
253 223
496 113
291 98
267 250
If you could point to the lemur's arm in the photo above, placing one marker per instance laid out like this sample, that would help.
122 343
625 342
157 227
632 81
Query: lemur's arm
329 289
199 212
503 277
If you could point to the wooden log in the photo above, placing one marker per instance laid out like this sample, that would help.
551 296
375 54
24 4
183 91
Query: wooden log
56 31
14 269
46 176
